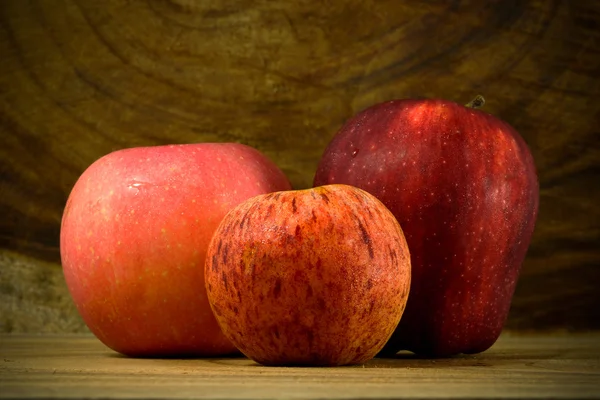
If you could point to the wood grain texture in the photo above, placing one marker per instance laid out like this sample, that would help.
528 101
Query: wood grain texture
516 367
81 78
34 297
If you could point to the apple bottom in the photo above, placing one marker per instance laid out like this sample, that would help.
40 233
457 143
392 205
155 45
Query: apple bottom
167 322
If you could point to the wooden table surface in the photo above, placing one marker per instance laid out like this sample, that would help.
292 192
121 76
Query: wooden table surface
517 366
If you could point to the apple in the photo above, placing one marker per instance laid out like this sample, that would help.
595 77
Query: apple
134 236
309 277
463 186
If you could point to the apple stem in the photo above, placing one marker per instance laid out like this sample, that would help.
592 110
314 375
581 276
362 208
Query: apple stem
476 103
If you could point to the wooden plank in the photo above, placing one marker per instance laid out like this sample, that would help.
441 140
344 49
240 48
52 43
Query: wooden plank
518 366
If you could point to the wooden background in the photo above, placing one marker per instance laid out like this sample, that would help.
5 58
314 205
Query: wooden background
81 78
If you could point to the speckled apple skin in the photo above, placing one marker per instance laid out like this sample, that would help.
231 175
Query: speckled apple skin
309 277
134 236
462 183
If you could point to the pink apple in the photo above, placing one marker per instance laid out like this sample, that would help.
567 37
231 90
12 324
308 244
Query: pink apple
134 236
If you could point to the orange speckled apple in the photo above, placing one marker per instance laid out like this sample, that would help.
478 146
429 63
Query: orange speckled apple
309 277
134 236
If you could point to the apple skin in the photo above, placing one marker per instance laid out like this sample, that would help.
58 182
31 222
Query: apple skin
309 277
463 186
134 236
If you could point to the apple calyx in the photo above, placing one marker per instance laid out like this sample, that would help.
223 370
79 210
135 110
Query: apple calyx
476 103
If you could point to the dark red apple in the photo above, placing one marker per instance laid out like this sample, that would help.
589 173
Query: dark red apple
134 236
463 186
309 277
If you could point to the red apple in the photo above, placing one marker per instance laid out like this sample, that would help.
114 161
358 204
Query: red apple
463 186
309 277
134 236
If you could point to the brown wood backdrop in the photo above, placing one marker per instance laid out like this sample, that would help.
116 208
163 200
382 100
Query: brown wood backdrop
81 78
